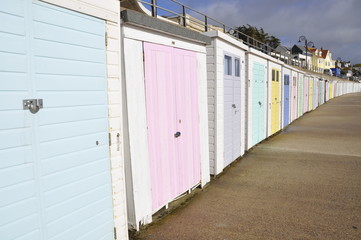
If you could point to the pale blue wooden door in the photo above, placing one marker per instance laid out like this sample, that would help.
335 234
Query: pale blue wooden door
258 98
286 100
54 165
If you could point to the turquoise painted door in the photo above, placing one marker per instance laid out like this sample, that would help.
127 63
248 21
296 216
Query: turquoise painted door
258 103
55 178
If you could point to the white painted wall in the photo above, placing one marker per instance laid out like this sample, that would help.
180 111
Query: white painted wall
116 128
139 196
136 141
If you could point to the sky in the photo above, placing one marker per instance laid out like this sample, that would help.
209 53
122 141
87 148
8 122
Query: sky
330 24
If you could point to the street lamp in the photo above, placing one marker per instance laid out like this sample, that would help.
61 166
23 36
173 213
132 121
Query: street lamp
307 44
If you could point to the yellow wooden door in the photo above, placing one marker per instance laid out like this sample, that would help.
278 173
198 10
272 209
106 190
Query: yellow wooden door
331 91
275 101
310 99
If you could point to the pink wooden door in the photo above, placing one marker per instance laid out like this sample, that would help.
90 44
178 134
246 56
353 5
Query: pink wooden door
172 107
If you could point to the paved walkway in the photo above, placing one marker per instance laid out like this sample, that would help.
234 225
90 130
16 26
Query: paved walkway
304 183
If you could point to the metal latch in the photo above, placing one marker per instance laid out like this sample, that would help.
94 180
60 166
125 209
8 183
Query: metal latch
33 105
177 134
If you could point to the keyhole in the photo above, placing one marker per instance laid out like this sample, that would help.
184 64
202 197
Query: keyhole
180 121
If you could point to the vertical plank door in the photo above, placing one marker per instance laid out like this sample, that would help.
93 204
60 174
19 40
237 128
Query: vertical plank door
286 99
171 84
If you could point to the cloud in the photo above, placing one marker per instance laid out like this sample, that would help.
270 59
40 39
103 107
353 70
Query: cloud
331 24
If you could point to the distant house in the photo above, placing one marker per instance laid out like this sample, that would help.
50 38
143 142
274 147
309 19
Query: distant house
299 53
327 56
284 52
318 63
321 59
345 64
357 67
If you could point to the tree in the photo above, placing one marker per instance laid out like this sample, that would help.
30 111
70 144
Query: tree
248 33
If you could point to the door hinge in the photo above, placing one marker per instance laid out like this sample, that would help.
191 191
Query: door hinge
110 139
115 233
106 39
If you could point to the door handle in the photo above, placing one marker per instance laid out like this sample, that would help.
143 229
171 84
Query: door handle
33 105
259 103
177 134
234 105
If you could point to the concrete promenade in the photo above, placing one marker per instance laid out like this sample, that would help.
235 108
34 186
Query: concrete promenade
304 183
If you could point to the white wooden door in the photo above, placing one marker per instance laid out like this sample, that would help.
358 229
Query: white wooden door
232 108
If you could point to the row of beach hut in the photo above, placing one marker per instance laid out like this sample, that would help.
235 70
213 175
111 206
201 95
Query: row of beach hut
109 116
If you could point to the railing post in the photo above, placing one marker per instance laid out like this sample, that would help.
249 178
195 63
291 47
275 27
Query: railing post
184 16
205 23
224 28
154 8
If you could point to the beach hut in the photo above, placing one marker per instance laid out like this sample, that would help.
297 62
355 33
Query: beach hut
166 113
257 77
61 177
226 99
